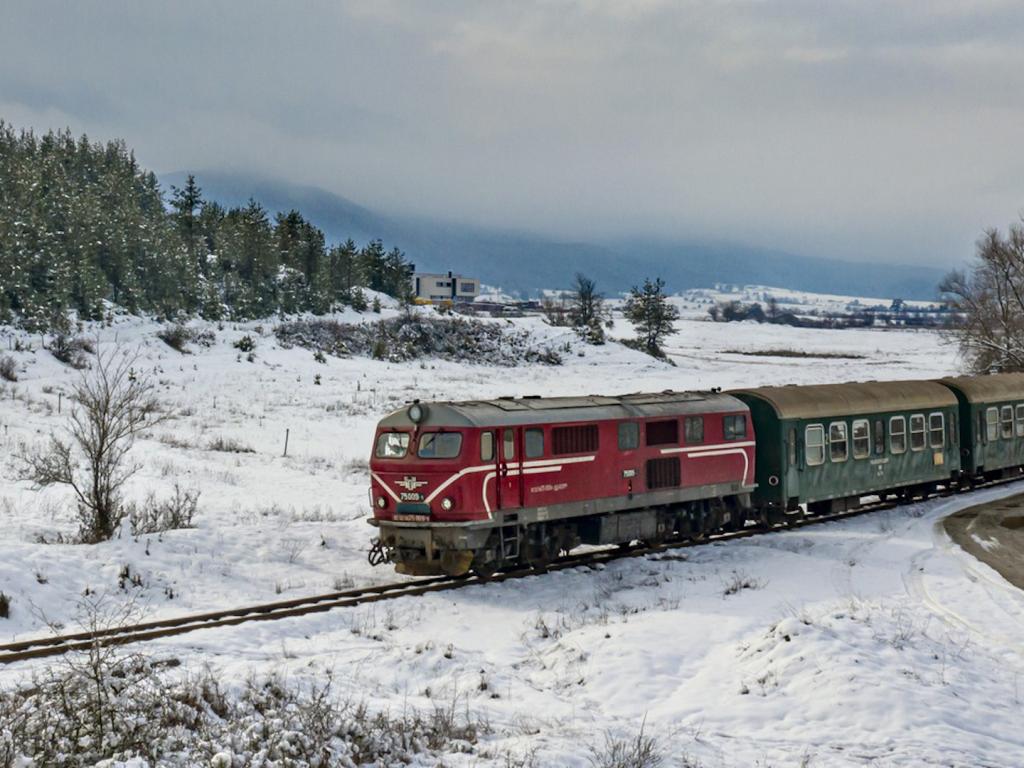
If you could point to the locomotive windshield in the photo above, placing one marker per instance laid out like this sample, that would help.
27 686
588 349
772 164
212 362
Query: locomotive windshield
440 445
392 445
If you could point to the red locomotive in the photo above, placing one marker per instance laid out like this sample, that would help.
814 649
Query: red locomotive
480 485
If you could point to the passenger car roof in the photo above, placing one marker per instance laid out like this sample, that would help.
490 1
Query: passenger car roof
508 411
988 389
825 400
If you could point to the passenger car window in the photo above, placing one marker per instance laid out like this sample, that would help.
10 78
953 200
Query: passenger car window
693 430
791 447
879 437
838 446
861 439
936 430
439 445
814 445
917 432
508 445
487 446
734 427
897 434
992 424
534 443
629 435
392 445
1020 421
1006 422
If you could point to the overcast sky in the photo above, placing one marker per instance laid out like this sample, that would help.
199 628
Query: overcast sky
859 130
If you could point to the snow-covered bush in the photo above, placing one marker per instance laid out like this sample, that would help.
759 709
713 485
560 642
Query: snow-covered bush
104 706
170 514
71 350
640 751
176 337
411 336
5 606
8 368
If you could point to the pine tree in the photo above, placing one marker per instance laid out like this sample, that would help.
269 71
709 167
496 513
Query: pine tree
652 315
587 313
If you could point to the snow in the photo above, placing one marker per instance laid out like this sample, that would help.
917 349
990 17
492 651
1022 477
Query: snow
872 641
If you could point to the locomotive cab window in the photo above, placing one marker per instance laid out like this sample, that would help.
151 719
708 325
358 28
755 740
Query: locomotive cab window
508 445
663 432
629 436
992 424
392 445
534 443
1006 422
439 445
936 430
861 439
838 444
897 434
487 446
734 427
579 439
693 430
1020 420
917 432
814 445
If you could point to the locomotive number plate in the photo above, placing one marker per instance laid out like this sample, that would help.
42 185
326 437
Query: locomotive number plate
410 496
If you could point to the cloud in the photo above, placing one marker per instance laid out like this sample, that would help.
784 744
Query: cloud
871 130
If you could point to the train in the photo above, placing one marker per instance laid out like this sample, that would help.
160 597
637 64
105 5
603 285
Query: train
485 485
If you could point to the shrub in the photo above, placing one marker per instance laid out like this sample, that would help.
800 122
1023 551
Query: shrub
170 514
104 707
8 368
411 336
228 445
5 606
71 350
641 751
245 344
176 337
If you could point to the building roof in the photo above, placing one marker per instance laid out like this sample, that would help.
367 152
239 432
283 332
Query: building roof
993 388
827 400
546 410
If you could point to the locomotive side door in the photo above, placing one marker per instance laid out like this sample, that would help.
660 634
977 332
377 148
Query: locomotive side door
510 476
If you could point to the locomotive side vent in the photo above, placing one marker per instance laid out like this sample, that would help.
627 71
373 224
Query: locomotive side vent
663 473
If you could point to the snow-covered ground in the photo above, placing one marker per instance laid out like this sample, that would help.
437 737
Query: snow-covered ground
868 642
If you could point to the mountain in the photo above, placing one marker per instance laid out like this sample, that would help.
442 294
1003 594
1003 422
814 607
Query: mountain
525 263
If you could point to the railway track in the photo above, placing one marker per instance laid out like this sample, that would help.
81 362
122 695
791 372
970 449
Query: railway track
56 645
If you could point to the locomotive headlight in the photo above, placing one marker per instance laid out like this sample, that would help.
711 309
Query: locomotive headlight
381 502
447 504
416 413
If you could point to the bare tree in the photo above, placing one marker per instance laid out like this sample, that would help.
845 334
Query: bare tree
111 404
587 313
987 303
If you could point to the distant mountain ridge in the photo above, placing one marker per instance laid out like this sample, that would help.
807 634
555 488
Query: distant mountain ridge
525 263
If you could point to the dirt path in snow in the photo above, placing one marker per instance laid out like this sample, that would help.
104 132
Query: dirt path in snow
994 534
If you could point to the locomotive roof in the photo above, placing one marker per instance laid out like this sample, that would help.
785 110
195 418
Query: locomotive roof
824 400
988 389
546 410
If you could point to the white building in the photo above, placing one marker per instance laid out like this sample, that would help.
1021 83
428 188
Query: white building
449 287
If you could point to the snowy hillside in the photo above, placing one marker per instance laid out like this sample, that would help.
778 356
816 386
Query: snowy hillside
868 642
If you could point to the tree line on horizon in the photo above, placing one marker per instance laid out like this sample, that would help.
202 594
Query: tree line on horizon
83 224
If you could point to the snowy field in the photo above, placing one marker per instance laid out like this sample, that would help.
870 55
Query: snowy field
870 642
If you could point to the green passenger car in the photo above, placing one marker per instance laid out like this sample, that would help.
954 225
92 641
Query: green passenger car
827 445
992 419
